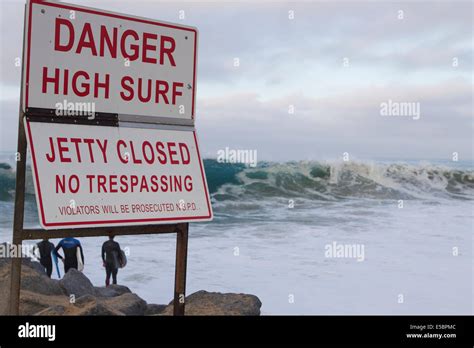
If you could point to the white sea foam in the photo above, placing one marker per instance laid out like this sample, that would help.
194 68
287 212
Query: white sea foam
259 244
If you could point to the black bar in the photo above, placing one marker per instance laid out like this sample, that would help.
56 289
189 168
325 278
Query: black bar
133 331
49 116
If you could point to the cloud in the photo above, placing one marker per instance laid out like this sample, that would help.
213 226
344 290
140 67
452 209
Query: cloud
299 62
327 127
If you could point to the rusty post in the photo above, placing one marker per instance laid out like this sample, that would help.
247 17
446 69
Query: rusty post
180 271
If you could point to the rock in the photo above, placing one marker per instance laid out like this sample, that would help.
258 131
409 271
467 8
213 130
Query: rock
90 305
94 308
34 281
154 309
41 295
33 277
77 284
85 305
35 265
32 303
128 304
215 303
53 310
25 261
111 291
84 300
30 269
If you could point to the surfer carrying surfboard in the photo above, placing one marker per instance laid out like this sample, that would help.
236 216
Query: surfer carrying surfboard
113 258
45 248
73 254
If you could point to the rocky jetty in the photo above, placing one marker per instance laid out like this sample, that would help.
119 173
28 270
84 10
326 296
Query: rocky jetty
74 294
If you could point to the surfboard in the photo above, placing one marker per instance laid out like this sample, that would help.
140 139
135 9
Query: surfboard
80 264
123 258
55 259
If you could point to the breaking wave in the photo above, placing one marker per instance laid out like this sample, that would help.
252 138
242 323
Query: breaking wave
336 181
315 181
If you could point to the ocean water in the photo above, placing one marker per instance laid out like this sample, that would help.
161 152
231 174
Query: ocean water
275 223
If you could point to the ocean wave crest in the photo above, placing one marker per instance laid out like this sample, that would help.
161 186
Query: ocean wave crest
335 181
314 181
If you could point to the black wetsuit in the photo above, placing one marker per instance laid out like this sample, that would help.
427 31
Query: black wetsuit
45 248
69 246
112 258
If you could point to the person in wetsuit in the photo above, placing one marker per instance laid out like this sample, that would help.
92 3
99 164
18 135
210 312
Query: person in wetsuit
69 246
112 259
45 247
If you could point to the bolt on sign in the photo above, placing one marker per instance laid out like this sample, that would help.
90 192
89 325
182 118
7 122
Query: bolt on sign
89 175
124 65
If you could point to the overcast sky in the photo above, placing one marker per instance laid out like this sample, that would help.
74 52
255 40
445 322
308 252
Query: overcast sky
300 62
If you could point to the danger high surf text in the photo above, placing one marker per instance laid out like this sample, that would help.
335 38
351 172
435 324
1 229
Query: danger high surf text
110 43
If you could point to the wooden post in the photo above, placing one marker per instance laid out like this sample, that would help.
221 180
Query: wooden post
15 274
18 217
180 271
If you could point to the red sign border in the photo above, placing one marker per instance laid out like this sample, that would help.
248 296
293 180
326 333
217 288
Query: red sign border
112 222
108 14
